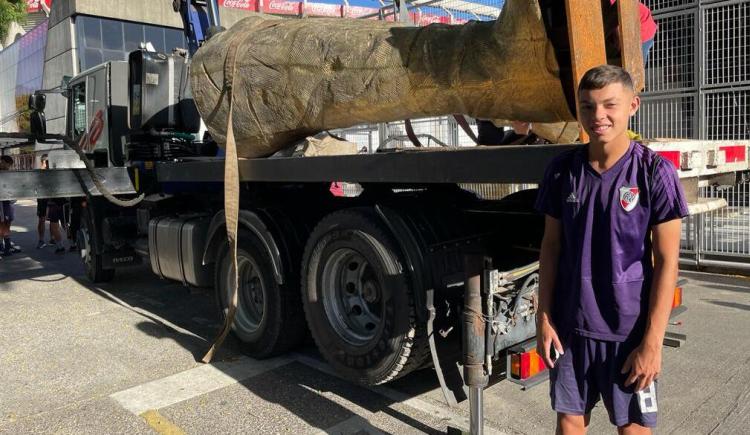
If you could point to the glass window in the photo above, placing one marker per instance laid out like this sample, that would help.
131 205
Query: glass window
92 35
91 58
133 36
174 39
155 35
112 35
100 39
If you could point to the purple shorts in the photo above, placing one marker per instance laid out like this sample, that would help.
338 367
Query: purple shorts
591 368
8 214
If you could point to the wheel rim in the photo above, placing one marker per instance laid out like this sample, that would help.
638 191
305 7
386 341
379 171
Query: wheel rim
251 296
352 296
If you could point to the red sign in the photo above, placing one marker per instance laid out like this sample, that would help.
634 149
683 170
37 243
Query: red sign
248 5
36 5
322 10
281 7
359 11
734 153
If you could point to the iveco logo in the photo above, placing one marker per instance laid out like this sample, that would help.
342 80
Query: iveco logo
127 259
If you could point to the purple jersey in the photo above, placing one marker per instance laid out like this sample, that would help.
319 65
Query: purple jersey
604 272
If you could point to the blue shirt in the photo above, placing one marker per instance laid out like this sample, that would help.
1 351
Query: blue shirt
604 272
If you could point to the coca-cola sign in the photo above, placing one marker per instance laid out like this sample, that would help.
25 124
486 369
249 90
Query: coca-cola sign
248 5
282 7
322 10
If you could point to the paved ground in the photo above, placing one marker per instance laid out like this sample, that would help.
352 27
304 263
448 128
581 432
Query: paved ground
121 358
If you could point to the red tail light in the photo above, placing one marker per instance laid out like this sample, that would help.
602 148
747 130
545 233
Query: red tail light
525 365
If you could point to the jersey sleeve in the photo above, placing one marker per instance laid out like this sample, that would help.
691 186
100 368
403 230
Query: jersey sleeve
549 198
667 197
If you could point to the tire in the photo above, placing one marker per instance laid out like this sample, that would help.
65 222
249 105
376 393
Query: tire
358 300
269 318
93 263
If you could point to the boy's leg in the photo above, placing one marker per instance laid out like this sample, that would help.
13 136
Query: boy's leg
573 391
646 49
568 424
632 412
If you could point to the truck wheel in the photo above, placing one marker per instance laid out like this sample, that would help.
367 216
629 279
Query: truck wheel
91 262
358 300
269 316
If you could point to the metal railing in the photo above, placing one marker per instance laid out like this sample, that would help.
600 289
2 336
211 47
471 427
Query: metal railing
697 75
720 238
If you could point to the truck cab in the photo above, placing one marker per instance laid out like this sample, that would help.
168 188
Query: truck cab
97 113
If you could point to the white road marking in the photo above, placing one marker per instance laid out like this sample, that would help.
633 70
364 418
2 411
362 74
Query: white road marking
191 383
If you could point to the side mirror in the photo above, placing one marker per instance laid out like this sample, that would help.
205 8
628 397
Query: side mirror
37 102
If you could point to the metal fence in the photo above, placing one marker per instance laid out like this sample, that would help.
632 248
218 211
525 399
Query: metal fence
698 74
720 238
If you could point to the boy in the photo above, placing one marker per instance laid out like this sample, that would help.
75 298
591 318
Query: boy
603 305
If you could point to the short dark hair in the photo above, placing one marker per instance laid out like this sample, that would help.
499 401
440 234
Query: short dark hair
603 75
8 159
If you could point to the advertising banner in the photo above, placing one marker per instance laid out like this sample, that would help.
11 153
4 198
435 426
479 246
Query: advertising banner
248 5
322 10
281 7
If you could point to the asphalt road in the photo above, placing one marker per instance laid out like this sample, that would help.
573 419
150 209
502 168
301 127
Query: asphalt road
123 358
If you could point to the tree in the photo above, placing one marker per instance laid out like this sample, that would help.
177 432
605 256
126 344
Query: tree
11 11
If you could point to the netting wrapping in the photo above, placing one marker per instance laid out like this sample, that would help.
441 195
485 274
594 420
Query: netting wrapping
294 78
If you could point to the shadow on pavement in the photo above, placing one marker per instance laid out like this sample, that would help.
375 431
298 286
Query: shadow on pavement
188 317
744 307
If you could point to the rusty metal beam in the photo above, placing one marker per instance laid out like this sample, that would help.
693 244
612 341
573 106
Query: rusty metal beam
629 20
586 35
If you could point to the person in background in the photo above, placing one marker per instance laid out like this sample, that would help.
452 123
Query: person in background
648 30
7 247
55 218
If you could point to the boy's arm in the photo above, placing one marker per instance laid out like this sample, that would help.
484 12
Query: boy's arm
546 335
644 363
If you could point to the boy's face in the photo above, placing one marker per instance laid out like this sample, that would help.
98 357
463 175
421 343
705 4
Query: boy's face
605 112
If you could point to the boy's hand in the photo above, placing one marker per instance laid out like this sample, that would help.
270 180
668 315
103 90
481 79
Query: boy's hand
644 365
546 337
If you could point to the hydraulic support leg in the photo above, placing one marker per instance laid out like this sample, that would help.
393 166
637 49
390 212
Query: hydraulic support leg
475 375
